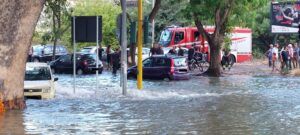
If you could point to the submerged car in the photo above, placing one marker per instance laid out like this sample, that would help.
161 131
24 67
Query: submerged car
163 67
39 81
85 63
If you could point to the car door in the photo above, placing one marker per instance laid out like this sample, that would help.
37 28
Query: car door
160 67
64 63
147 68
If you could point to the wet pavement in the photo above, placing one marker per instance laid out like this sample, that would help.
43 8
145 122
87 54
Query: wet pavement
236 104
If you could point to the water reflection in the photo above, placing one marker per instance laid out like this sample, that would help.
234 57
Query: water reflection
11 123
202 105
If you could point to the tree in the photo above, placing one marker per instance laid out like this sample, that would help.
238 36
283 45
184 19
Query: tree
18 19
58 12
223 14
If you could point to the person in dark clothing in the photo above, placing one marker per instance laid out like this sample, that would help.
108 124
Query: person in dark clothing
191 53
284 55
100 50
154 50
116 57
108 53
173 51
160 51
180 51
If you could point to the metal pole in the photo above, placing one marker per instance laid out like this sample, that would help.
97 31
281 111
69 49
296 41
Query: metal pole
74 57
153 24
97 42
124 51
140 41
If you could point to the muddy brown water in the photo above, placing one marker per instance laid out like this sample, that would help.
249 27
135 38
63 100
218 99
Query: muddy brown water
235 105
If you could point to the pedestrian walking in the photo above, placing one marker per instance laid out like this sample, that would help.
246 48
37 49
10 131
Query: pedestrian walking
268 54
291 55
284 59
191 53
100 51
108 58
275 57
116 59
296 56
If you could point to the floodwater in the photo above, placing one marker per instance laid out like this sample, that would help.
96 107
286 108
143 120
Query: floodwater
234 105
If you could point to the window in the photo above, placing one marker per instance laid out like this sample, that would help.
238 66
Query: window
178 37
65 58
159 62
147 63
37 73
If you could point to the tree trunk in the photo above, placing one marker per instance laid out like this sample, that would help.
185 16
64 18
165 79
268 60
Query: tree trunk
18 19
132 53
215 57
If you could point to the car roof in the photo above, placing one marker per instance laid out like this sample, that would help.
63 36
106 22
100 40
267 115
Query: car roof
36 64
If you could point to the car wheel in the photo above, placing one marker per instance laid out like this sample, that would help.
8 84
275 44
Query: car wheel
36 60
79 71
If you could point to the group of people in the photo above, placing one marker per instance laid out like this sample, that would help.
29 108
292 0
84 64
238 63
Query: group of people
113 59
157 50
288 57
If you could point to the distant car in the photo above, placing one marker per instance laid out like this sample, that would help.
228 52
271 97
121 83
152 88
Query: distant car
145 53
44 53
85 63
93 50
163 66
39 81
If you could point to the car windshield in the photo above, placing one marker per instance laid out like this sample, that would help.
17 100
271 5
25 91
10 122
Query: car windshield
165 37
179 62
37 73
85 50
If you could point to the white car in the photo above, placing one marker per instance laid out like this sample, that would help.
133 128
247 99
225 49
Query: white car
39 81
93 50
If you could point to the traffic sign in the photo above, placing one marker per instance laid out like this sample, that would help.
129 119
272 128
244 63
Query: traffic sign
131 3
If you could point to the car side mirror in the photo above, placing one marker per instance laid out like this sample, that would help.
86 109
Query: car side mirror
55 79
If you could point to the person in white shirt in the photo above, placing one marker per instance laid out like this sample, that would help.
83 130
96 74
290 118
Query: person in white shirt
275 57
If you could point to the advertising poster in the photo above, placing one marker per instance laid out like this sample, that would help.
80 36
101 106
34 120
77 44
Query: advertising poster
285 17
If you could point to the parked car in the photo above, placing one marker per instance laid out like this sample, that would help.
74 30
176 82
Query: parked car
145 53
44 53
93 50
39 81
163 66
85 63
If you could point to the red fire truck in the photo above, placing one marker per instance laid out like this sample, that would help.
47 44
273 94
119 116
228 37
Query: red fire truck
241 39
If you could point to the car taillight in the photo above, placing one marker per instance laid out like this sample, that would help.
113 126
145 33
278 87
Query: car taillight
85 63
172 67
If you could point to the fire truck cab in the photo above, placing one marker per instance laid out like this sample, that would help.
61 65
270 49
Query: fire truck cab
241 40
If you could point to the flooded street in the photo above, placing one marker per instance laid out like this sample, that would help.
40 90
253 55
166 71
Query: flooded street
238 104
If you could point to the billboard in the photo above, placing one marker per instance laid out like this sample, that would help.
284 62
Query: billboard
285 17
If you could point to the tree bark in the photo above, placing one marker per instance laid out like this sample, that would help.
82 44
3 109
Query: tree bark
154 10
18 19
